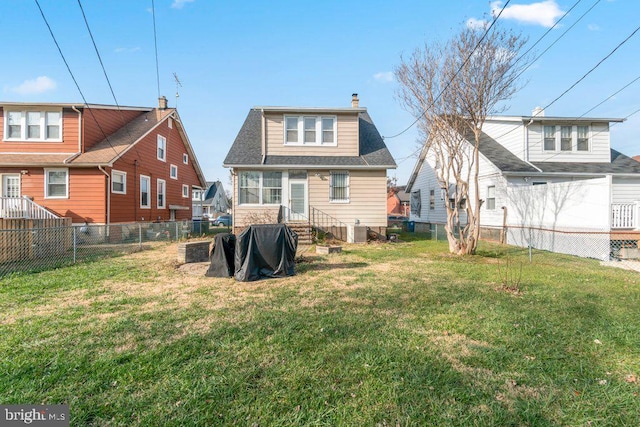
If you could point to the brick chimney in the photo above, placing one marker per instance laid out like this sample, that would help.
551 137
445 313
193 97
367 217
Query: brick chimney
355 101
162 102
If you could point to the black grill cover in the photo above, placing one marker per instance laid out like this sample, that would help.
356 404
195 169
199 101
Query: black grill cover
265 250
222 256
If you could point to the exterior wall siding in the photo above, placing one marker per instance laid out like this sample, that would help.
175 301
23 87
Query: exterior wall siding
626 190
599 145
69 143
347 138
510 135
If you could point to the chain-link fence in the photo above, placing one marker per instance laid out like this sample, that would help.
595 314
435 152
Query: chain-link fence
618 248
35 249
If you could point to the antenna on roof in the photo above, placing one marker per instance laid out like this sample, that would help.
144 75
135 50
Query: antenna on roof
178 84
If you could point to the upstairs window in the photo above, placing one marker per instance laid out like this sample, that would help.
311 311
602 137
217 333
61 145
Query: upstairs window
185 158
432 200
30 125
173 172
339 187
185 191
310 130
583 138
566 138
162 148
118 182
550 138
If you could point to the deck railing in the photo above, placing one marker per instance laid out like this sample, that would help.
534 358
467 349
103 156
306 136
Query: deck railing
23 207
624 215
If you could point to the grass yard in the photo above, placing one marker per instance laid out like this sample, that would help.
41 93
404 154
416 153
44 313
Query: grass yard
380 335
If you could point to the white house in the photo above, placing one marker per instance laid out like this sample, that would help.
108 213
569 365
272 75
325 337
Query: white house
211 202
547 174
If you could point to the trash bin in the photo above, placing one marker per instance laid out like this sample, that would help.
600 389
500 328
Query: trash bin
411 226
196 226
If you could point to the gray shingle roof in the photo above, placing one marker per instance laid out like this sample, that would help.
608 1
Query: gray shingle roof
247 148
619 164
504 159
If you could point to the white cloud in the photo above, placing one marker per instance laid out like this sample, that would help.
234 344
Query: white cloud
386 76
543 13
179 4
127 49
476 24
38 85
593 27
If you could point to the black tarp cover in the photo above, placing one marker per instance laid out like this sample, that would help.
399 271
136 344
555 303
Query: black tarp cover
222 257
265 251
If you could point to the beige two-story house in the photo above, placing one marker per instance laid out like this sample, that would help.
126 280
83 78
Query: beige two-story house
323 166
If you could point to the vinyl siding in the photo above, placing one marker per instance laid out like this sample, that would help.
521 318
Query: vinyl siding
508 133
599 145
69 142
626 190
347 137
98 124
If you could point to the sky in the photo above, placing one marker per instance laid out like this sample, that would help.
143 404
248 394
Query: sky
231 55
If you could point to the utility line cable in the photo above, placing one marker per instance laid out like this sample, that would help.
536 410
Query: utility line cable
495 19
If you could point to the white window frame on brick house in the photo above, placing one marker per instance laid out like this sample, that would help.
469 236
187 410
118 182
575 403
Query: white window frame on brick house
173 171
339 191
185 158
33 125
161 193
48 182
310 130
161 151
118 177
185 191
146 180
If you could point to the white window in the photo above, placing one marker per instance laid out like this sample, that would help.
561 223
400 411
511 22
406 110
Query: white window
339 186
196 195
118 182
583 138
161 193
173 173
550 138
185 158
162 148
185 191
56 183
145 192
565 138
315 130
432 199
30 125
260 188
491 197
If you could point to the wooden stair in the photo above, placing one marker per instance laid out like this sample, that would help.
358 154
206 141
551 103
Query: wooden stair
303 229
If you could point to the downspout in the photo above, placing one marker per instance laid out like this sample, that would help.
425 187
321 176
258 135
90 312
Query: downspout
108 193
264 139
73 156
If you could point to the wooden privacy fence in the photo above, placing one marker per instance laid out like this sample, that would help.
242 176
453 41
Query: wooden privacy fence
25 239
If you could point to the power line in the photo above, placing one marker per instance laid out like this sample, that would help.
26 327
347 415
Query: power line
486 32
155 41
72 76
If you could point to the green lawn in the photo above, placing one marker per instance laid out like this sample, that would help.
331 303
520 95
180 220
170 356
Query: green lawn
383 334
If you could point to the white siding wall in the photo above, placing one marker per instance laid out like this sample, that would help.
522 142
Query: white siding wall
626 190
599 145
509 133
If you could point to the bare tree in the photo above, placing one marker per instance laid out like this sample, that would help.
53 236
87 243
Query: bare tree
452 88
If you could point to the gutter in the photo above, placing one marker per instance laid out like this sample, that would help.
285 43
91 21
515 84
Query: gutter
108 193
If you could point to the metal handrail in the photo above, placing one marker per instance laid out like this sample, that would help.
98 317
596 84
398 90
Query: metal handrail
328 224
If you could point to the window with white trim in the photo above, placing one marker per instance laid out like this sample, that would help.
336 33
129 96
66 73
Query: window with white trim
162 148
339 186
185 191
145 192
118 182
173 172
260 188
566 138
491 197
310 130
56 183
185 158
161 192
33 125
432 200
